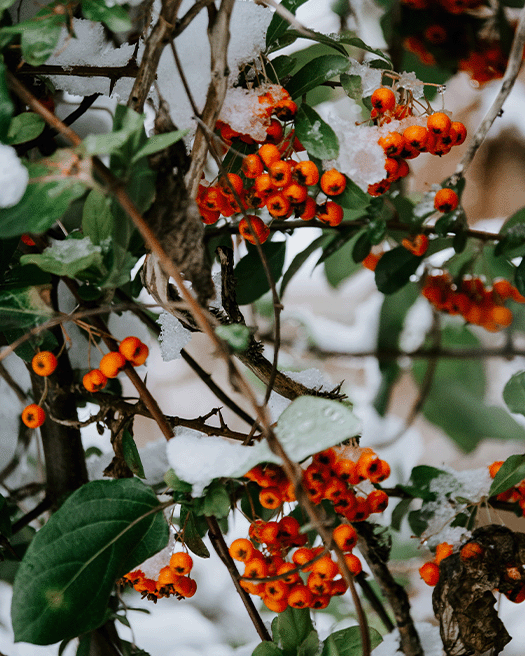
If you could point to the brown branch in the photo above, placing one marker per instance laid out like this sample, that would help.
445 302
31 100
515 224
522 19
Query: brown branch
38 510
394 593
221 548
219 36
11 382
114 73
507 84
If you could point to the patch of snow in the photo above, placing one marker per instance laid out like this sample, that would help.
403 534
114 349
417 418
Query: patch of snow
13 177
71 250
173 336
410 82
428 634
371 78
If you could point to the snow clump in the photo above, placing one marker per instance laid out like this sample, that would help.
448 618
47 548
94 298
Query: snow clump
13 177
173 336
371 78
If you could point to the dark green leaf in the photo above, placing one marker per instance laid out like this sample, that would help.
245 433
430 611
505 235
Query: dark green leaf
280 67
340 265
159 142
420 481
251 278
192 538
267 649
97 221
337 41
294 626
376 230
237 335
418 520
315 134
514 393
279 25
131 454
399 512
114 17
84 645
519 277
394 269
315 73
362 247
517 219
43 202
513 240
511 473
103 530
353 197
352 86
5 519
217 500
300 259
25 127
173 481
347 642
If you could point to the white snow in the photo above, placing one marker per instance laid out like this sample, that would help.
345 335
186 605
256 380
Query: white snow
428 635
409 81
173 336
13 177
70 250
371 78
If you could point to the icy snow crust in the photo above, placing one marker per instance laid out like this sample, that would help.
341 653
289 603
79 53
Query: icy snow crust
13 177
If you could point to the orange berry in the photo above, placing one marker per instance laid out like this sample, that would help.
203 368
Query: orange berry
44 363
276 590
446 200
429 572
241 549
416 136
252 166
317 584
27 240
275 605
302 555
391 168
495 467
112 363
325 567
353 563
503 289
269 532
371 260
377 501
443 550
274 131
292 578
185 586
300 596
383 99
257 225
471 551
461 132
134 350
435 34
181 563
255 568
333 182
310 209
439 123
278 205
33 415
269 153
330 213
94 380
234 181
295 193
416 244
501 316
517 595
209 217
345 536
213 199
271 497
319 602
392 143
167 576
379 188
280 173
306 173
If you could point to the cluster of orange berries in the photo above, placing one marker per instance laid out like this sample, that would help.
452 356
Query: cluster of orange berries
277 581
477 304
330 477
44 364
172 579
429 572
515 494
131 350
437 138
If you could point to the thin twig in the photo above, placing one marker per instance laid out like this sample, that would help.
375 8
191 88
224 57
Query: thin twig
38 510
511 74
20 393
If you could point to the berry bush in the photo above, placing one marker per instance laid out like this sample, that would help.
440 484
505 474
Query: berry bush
122 241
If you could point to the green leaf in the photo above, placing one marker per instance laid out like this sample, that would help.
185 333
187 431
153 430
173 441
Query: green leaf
192 539
68 257
40 36
114 17
517 219
353 197
394 269
299 260
267 649
294 626
24 308
310 645
279 25
336 41
511 473
347 642
103 530
5 518
315 134
131 454
237 335
315 73
399 512
159 142
249 272
513 240
519 277
25 127
217 500
280 67
173 481
44 202
420 481
339 266
97 220
362 247
514 393
352 86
